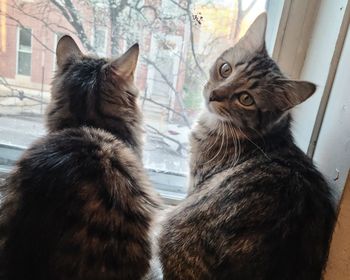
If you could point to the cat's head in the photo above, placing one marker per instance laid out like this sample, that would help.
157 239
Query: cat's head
246 86
90 91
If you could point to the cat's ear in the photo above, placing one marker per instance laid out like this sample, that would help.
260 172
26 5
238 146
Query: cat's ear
298 92
66 47
125 65
254 39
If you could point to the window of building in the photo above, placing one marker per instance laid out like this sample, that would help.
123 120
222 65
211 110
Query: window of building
100 40
24 52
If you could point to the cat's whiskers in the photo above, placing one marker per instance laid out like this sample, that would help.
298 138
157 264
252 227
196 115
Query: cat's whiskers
259 134
231 136
210 146
221 131
237 145
226 144
235 138
251 141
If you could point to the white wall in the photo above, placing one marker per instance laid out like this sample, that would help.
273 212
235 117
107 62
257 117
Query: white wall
316 66
332 152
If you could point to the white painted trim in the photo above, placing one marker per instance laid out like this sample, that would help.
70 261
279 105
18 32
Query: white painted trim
281 30
55 41
17 48
330 80
274 9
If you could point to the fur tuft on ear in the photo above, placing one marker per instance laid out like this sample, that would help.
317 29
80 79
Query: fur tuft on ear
125 65
66 47
299 91
254 39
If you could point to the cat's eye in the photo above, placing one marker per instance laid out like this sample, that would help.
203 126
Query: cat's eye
245 99
225 70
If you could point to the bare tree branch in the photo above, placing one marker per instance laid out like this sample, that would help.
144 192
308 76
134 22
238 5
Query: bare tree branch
189 14
177 95
240 16
190 19
166 107
20 94
114 13
22 26
71 14
180 145
47 24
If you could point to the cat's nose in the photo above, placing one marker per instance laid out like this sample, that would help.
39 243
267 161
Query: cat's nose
216 95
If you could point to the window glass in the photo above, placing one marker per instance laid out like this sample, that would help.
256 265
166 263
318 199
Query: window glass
24 63
179 41
25 39
24 51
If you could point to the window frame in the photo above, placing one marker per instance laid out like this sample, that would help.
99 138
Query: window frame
298 17
57 37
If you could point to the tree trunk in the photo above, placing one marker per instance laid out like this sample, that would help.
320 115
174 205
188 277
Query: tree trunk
115 9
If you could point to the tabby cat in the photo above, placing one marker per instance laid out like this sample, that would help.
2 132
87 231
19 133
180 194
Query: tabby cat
78 204
257 207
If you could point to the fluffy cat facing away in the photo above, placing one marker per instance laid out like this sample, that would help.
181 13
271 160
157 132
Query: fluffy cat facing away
78 204
257 207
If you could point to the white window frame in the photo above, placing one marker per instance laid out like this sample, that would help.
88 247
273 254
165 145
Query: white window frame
297 21
57 36
54 57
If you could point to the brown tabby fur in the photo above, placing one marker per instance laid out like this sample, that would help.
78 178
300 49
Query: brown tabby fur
257 207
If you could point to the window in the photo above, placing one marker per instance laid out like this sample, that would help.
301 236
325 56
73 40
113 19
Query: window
100 40
24 53
178 42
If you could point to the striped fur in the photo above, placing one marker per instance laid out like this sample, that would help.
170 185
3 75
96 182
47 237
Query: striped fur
78 204
257 207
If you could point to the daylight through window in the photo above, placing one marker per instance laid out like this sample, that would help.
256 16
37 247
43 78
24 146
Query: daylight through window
179 41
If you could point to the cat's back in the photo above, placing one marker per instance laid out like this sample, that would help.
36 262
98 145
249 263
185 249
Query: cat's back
262 212
78 206
91 151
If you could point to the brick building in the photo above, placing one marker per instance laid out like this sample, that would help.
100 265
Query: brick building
30 29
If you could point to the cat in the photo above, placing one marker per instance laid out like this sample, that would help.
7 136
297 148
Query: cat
257 207
79 204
